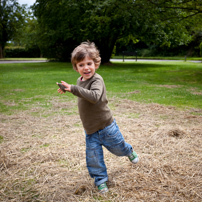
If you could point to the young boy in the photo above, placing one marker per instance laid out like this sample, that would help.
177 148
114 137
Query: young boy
100 127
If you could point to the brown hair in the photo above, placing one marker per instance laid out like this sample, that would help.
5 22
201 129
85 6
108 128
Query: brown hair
83 50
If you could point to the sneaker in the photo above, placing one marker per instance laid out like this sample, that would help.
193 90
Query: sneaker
103 188
133 157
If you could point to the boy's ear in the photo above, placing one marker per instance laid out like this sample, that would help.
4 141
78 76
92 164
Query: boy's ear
96 66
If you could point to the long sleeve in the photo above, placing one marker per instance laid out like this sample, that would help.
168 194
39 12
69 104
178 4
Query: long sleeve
92 95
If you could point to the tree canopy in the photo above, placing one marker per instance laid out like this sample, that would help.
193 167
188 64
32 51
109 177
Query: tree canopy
63 24
12 19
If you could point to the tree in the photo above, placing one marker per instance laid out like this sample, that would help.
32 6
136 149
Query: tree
190 7
59 27
64 24
27 35
183 14
11 15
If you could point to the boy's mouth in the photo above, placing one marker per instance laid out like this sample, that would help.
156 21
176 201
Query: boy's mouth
87 72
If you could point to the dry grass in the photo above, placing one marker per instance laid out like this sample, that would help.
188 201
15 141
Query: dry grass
42 158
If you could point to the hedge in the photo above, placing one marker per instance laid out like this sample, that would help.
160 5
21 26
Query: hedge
10 52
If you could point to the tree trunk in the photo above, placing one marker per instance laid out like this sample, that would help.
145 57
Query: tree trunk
106 50
1 51
41 55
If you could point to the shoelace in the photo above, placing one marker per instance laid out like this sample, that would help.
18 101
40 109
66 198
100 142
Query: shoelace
102 186
132 156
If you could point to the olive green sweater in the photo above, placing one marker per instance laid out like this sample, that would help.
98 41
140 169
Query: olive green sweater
92 103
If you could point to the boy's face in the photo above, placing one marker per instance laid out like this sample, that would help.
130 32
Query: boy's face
86 68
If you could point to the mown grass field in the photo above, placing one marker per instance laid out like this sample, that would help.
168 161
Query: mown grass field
170 83
160 58
157 105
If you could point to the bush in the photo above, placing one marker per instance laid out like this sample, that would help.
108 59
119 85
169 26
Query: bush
20 52
145 53
200 46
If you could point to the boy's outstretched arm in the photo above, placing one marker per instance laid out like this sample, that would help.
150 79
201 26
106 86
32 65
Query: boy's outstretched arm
92 95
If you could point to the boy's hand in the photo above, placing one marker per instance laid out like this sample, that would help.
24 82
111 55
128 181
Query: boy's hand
67 87
61 87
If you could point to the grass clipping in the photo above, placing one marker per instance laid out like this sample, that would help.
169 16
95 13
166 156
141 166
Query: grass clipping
42 155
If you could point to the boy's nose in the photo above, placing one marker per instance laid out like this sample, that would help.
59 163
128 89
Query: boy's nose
86 67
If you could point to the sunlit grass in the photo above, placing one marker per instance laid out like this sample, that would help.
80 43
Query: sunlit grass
170 83
183 58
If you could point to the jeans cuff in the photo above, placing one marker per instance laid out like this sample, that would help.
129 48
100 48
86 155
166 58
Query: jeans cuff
101 181
130 152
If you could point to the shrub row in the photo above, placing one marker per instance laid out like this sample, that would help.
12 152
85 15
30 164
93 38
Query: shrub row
21 52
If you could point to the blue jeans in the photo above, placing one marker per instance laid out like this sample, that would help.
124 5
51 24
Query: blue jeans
111 138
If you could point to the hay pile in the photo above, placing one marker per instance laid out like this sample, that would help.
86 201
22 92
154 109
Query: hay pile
42 156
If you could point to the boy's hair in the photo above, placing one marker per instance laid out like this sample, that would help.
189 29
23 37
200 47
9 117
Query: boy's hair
83 50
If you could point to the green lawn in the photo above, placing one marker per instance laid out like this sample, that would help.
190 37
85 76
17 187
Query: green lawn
9 59
170 83
160 58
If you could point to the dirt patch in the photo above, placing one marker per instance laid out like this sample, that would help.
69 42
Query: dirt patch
195 91
10 103
18 90
170 86
134 92
42 156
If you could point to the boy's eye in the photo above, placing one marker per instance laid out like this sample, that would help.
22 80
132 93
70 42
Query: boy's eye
90 63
